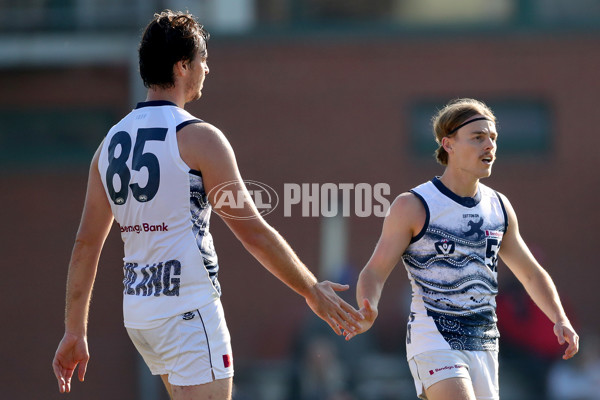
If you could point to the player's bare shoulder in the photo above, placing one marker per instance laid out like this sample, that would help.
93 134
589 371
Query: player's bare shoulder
202 142
200 134
409 211
407 203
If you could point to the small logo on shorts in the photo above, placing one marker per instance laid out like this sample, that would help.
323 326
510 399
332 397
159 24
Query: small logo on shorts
189 315
447 367
227 360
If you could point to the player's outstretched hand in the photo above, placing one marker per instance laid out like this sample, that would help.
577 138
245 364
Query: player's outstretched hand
72 350
565 333
331 308
369 314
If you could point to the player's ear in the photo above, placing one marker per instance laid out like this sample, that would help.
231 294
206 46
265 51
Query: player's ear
180 68
447 144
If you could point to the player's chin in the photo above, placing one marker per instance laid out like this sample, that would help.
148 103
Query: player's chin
486 173
196 95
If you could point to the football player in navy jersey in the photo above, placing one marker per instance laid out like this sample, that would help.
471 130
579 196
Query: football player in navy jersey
449 233
153 174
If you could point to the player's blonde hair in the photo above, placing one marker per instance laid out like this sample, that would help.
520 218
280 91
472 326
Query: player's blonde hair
449 118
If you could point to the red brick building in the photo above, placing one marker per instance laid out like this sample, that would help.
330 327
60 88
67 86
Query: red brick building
297 111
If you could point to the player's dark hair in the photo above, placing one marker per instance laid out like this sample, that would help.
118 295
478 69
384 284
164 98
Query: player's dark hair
170 37
449 118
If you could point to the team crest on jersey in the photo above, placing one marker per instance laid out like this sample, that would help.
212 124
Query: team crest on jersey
475 228
445 247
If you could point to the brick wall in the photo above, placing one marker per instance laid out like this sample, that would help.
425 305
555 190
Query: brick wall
305 111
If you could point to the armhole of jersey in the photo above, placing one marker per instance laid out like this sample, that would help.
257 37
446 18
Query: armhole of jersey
175 153
186 123
503 211
195 172
426 224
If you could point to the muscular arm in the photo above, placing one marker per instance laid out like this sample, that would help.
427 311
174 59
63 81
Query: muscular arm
405 219
93 230
204 148
537 282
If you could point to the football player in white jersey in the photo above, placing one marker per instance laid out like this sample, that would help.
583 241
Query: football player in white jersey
197 157
449 233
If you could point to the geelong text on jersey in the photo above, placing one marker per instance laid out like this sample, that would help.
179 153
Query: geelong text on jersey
153 279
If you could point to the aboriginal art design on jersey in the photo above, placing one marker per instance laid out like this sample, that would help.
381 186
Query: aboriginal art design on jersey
453 273
200 210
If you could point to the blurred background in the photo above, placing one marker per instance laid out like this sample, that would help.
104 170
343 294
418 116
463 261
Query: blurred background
307 91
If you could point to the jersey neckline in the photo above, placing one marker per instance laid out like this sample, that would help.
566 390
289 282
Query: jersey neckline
155 103
468 202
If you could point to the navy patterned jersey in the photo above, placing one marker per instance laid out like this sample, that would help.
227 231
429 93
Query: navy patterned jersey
452 267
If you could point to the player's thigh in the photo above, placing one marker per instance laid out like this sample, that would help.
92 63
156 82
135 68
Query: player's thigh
219 389
165 379
451 389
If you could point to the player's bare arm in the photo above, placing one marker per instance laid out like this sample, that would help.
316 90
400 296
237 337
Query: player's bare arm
517 256
205 148
93 230
405 219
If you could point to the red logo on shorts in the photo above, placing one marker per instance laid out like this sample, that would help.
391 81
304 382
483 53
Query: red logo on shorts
447 367
227 360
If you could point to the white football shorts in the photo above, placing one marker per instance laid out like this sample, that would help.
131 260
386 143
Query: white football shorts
479 367
193 348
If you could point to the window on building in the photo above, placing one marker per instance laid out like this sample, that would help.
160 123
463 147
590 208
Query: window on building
51 138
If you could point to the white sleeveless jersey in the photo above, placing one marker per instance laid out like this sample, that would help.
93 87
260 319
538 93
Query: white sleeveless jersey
451 265
170 265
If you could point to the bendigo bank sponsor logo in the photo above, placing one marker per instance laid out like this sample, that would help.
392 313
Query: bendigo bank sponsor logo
446 368
145 227
497 234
